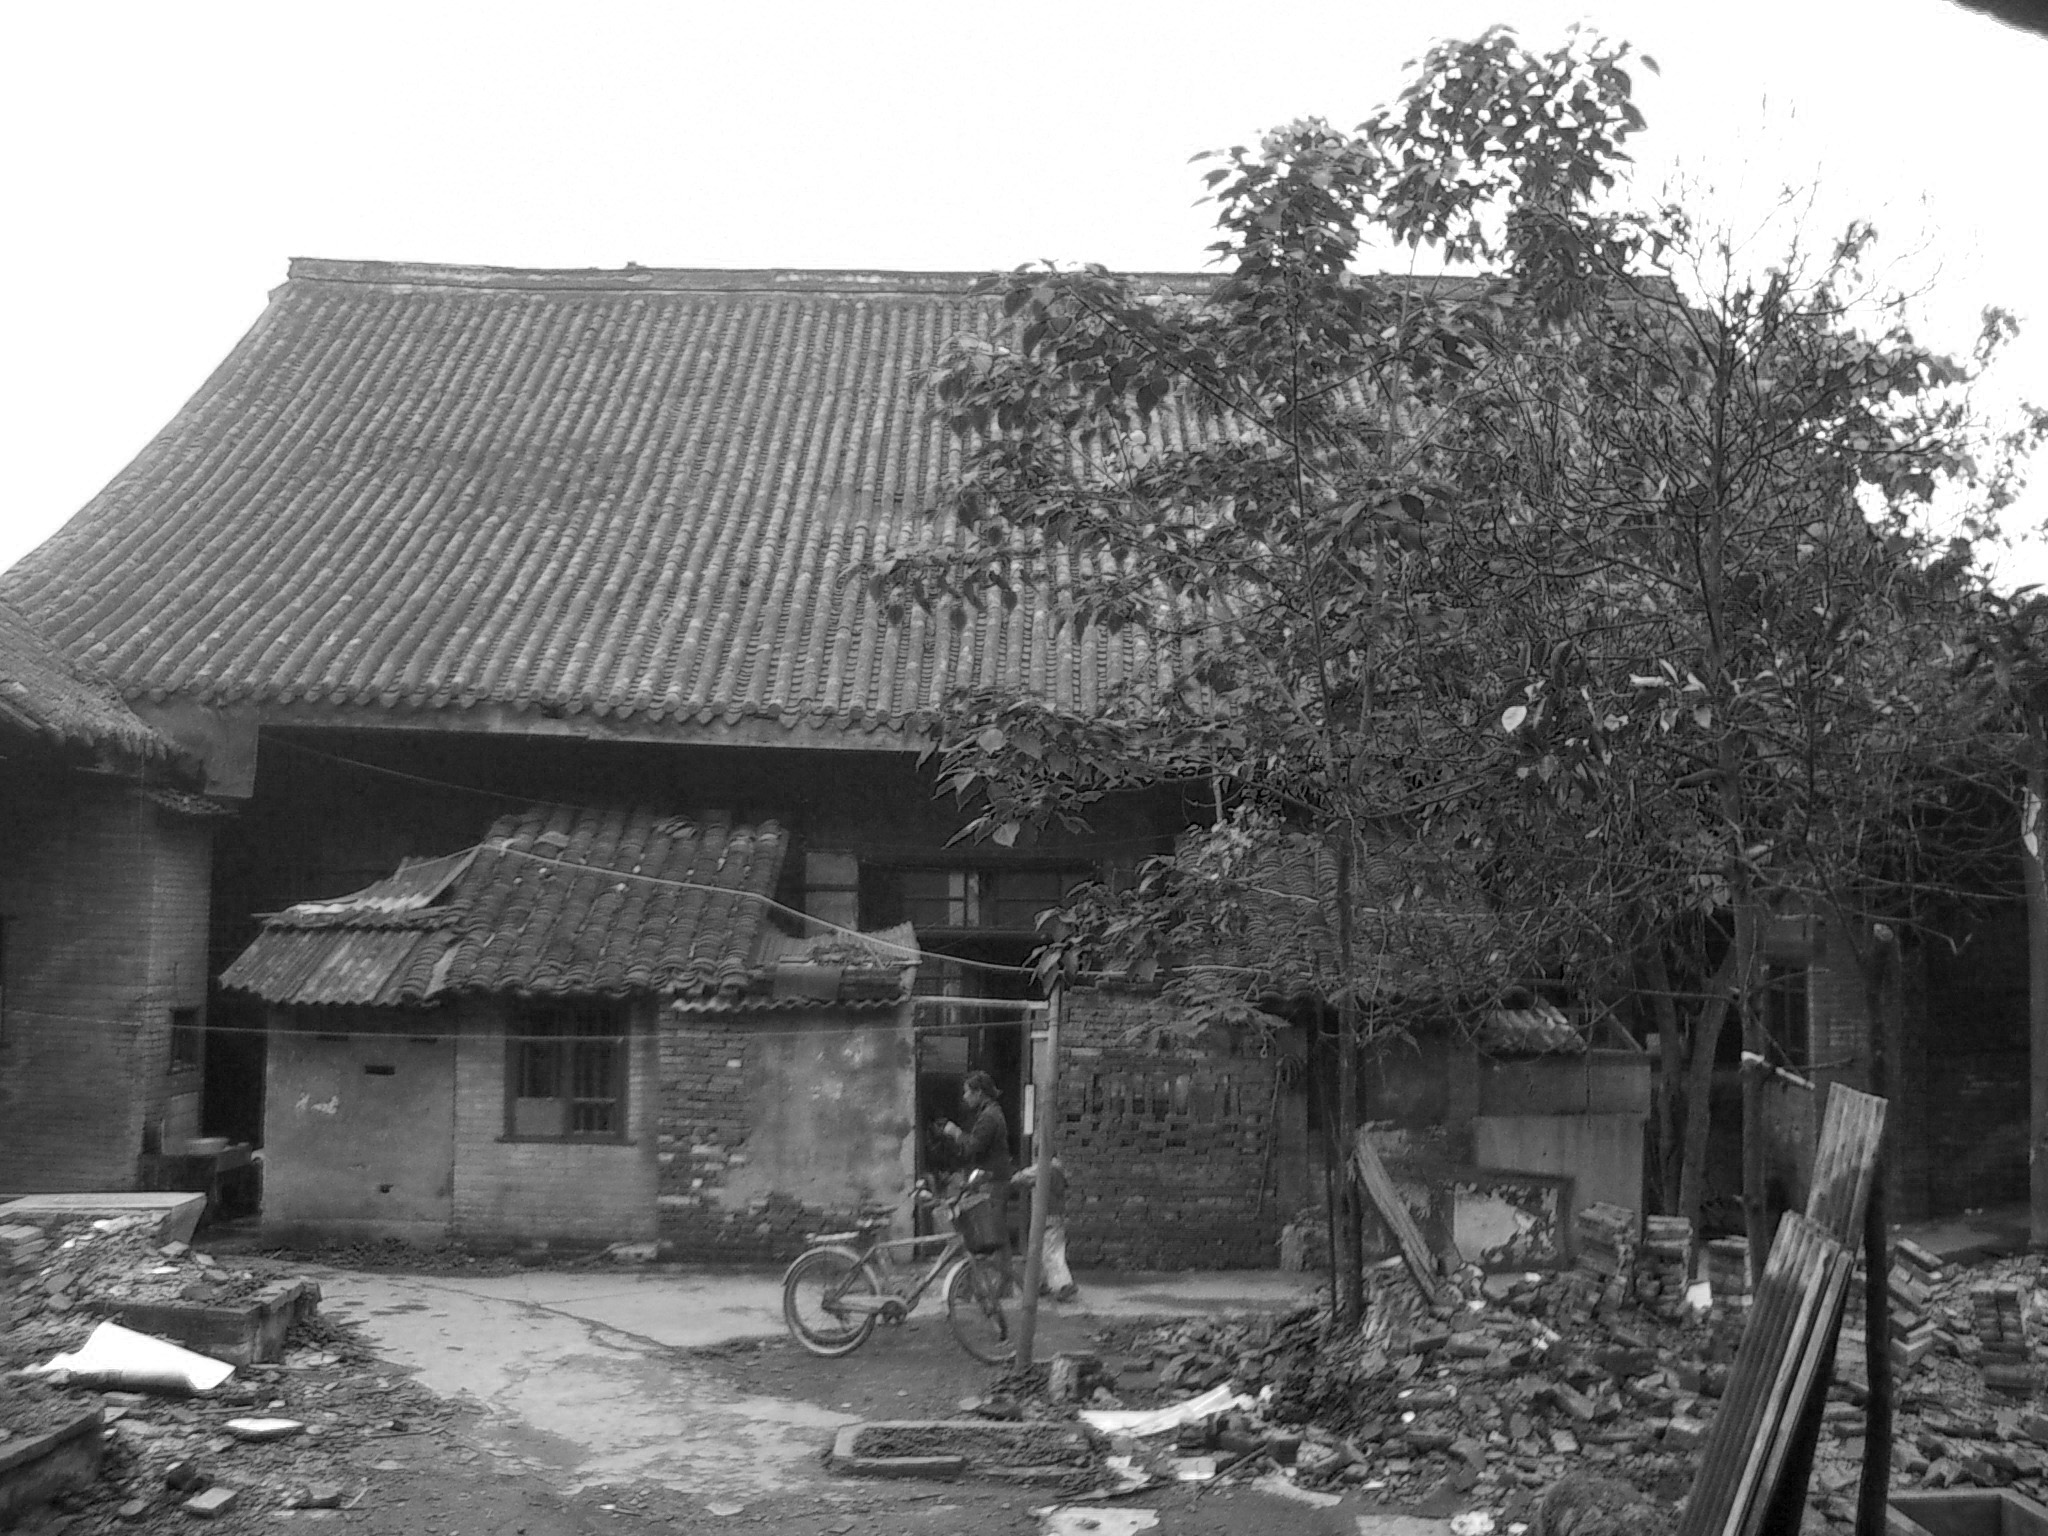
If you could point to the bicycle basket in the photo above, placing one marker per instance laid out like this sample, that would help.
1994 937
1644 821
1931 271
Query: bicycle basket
980 1224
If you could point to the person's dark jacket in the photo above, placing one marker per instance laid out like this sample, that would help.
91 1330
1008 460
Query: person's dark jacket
987 1146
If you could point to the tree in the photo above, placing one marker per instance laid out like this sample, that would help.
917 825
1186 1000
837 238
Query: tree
1253 477
1580 592
1709 506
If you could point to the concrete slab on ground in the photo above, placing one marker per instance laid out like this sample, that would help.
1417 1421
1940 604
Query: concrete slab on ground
700 1308
1993 1231
585 1375
177 1215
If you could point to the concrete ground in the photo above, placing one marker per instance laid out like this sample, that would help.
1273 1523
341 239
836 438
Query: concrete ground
685 1380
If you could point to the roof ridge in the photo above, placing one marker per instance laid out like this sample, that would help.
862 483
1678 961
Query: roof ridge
633 278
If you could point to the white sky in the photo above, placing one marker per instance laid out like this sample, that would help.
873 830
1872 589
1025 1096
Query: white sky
162 162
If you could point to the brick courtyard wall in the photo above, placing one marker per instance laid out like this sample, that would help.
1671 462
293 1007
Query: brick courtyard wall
1166 1147
779 1124
509 1191
103 896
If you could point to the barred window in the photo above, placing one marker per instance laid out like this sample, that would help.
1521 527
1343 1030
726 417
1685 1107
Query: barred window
566 1074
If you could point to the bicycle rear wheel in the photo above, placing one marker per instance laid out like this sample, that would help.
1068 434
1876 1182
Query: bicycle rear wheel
815 1290
983 1301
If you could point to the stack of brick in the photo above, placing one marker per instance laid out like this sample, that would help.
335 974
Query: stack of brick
21 1255
1912 1328
1661 1272
1606 1237
1728 1270
1999 1315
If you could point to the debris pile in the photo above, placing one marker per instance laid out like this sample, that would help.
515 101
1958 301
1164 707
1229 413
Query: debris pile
48 1273
1513 1382
1496 1393
305 1434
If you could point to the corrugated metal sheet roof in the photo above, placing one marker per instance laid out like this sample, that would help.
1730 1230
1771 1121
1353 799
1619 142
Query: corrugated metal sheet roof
638 494
556 900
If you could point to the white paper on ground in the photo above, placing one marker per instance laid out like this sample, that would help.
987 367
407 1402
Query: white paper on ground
122 1357
1157 1421
1080 1520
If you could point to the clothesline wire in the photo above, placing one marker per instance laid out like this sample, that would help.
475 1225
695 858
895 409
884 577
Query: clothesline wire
809 920
738 1033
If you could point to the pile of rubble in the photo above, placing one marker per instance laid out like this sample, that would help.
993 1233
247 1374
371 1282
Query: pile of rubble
83 1266
301 1433
1513 1381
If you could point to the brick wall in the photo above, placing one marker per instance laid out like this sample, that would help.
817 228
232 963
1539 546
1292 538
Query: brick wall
779 1125
104 899
1968 1057
1958 1128
1166 1148
573 1193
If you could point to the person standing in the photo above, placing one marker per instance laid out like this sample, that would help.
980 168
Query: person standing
985 1144
1057 1278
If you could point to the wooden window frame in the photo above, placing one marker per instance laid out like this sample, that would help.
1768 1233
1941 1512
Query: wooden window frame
187 1030
538 1047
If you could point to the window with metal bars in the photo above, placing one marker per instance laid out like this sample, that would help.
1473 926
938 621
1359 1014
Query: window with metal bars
566 1078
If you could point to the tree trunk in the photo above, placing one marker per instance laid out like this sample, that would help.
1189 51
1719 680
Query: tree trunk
1671 1094
1706 1036
1756 1214
1347 1257
1877 1265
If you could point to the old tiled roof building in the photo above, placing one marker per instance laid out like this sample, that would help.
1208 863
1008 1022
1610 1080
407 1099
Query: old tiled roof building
636 496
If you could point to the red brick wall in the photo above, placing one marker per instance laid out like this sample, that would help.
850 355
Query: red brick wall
1166 1147
778 1126
104 896
521 1191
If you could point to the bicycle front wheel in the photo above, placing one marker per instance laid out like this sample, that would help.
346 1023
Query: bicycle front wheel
983 1302
816 1291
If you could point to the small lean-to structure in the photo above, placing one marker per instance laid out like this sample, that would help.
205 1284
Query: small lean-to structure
554 1035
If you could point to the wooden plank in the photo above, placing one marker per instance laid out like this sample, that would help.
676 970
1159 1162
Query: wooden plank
1758 1400
1775 1419
1773 1315
1807 1381
1845 1162
1372 1173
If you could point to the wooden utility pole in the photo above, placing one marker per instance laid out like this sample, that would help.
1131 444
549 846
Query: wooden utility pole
1041 1186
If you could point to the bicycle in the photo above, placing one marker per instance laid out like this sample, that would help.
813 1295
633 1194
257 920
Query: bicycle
845 1282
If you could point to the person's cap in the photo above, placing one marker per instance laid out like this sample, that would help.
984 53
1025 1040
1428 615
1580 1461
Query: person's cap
980 1082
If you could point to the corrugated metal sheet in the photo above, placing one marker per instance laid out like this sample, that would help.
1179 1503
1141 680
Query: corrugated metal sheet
556 900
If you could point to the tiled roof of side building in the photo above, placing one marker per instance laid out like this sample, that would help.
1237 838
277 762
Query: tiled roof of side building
43 694
556 901
636 494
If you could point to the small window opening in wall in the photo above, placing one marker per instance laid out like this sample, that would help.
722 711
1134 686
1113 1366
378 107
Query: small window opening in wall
566 1074
185 1041
378 1069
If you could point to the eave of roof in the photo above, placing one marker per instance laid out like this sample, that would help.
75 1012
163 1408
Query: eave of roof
44 694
